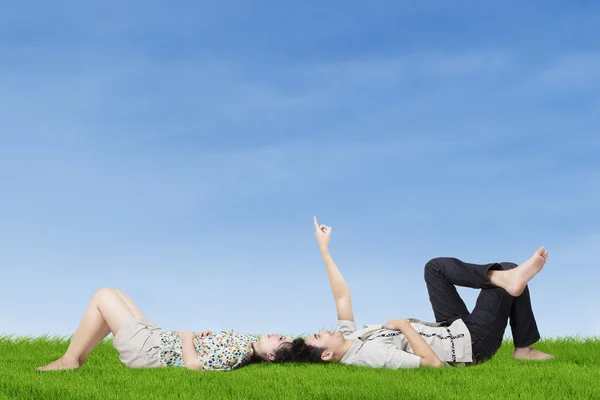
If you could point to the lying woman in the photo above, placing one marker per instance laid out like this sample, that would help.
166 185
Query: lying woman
141 344
458 337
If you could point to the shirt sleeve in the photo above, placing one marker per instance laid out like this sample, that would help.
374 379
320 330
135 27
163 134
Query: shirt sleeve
396 358
384 355
346 327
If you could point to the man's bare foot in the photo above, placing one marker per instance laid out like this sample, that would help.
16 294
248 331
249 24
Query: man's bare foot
60 364
529 353
517 278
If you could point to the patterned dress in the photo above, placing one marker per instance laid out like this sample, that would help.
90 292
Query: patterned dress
221 351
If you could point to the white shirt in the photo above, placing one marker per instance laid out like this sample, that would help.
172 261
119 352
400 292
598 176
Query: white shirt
383 348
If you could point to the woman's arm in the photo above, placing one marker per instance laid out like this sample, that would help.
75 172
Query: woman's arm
419 346
339 287
188 350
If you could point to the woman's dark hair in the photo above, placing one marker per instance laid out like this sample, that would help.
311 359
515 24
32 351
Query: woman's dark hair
253 360
298 351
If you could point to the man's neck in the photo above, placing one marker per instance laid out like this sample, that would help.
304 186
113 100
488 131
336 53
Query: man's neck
343 349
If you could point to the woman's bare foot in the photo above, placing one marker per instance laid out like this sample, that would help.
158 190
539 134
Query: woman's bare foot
529 353
515 280
60 364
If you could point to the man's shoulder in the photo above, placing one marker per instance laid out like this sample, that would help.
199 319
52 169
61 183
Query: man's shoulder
368 352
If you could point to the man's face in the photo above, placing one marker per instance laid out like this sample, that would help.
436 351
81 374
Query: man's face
326 340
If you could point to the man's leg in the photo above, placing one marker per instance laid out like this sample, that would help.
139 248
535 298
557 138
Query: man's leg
487 322
522 321
523 325
485 276
460 273
445 301
442 274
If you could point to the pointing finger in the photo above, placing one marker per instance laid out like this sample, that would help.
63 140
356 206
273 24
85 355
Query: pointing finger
316 223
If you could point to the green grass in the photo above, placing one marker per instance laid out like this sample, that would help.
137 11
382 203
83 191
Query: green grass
574 374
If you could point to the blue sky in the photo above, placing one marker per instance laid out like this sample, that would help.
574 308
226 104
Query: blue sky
180 151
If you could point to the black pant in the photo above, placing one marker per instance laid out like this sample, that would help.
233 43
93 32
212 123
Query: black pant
487 322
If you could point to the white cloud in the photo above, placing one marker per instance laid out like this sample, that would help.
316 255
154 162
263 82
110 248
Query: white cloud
572 71
102 95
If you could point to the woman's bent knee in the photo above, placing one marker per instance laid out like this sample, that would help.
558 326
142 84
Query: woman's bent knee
103 293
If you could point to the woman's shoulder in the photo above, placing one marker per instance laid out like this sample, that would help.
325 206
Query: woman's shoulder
226 350
169 335
232 336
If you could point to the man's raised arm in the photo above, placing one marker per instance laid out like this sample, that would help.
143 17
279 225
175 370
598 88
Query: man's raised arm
339 287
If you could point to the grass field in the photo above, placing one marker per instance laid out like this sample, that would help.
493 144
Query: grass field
574 374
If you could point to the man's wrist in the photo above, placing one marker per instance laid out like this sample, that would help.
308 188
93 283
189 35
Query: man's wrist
324 250
399 324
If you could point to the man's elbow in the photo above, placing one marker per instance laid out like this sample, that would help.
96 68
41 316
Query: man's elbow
432 363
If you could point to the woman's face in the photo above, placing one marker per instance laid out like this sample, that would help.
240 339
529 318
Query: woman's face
267 345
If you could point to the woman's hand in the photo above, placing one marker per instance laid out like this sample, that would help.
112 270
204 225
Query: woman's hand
323 235
203 334
185 334
188 351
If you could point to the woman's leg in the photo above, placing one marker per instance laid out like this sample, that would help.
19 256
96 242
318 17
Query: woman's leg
96 338
106 309
103 333
132 306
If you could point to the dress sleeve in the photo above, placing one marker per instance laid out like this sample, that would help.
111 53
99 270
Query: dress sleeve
346 327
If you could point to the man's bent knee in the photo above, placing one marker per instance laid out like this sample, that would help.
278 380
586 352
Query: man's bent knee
432 266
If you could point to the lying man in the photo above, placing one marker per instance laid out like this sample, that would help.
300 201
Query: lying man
458 337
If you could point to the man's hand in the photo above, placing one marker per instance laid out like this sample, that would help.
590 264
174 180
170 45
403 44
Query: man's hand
203 334
323 235
420 347
395 324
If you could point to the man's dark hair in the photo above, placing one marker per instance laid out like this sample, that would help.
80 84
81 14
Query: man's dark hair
298 351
